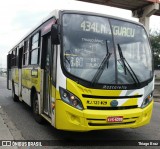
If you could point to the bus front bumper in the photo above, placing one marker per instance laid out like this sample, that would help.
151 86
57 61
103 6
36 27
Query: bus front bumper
71 119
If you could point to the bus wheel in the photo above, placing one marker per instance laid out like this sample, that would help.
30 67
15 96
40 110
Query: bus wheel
37 117
14 96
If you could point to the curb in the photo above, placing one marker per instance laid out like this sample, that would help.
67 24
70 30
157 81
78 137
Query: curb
157 83
156 100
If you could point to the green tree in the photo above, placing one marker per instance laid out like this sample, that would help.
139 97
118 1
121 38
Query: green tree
155 43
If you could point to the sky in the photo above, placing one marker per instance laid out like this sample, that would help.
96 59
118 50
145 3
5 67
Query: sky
18 17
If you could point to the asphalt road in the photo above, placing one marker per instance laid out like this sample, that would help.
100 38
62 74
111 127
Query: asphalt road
21 116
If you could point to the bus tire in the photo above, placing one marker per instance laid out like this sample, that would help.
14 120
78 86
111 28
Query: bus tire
14 96
37 117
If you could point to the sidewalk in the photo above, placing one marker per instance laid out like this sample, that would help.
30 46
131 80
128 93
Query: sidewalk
7 130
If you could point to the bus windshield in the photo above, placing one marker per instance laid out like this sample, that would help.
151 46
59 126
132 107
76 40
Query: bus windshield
104 50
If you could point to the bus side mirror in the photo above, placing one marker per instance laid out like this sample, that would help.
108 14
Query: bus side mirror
54 34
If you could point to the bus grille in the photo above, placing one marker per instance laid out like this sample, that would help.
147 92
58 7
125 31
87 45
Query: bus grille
112 108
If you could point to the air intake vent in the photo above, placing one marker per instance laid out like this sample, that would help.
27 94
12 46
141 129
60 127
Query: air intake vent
110 97
112 108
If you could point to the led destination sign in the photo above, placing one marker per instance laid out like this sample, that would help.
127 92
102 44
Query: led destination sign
96 27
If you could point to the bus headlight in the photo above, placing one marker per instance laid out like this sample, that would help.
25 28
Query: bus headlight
147 100
70 99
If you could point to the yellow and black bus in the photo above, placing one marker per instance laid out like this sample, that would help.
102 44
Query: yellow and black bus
84 71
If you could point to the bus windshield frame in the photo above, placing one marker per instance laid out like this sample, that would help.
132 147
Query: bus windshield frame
84 35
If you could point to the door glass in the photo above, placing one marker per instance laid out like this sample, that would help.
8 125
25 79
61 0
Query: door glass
47 80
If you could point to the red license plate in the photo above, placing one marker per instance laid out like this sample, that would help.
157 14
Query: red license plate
115 119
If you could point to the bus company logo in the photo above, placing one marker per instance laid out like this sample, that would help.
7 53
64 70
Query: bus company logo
112 87
114 103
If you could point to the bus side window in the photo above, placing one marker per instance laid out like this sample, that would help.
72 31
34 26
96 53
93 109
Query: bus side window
25 53
14 57
17 54
12 62
34 51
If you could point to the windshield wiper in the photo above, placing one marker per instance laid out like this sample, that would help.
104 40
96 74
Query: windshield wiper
127 67
102 66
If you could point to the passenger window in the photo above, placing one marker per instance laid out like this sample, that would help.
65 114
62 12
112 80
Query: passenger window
25 53
34 51
14 57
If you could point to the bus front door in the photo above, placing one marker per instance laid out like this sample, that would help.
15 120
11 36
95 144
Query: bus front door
47 75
